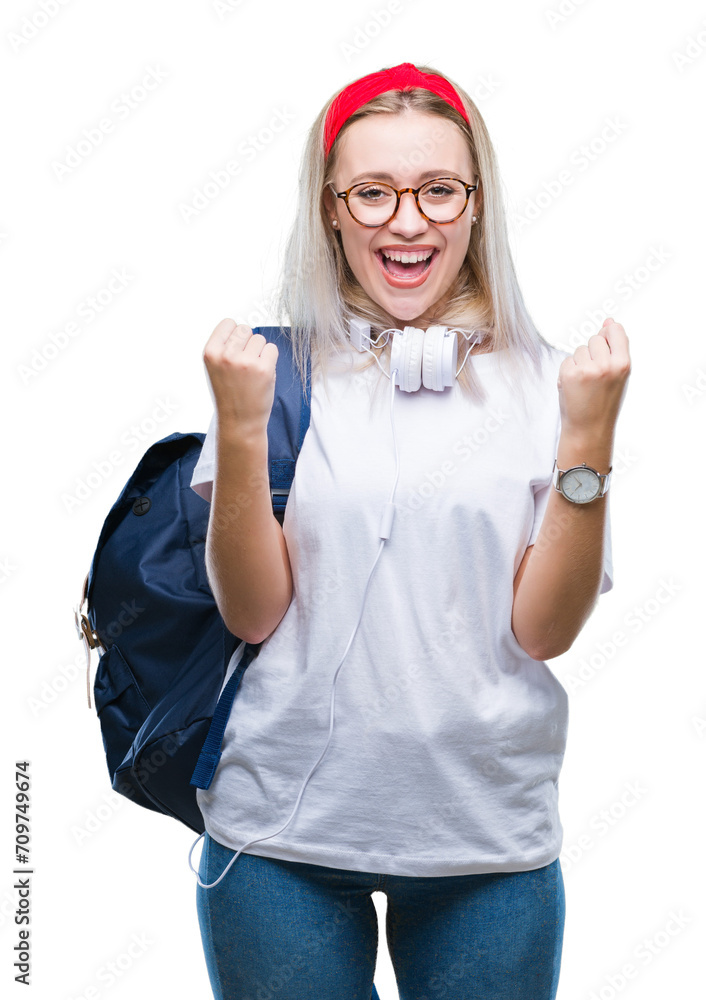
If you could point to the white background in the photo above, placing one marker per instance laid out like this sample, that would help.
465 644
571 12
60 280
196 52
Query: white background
549 78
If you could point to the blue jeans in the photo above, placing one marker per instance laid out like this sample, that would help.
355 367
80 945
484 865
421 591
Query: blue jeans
285 930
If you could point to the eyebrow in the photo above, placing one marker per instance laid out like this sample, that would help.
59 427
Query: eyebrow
379 175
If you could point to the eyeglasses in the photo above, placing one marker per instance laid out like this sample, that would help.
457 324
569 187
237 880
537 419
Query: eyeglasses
440 201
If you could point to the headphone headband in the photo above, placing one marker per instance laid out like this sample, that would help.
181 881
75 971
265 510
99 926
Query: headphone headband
417 356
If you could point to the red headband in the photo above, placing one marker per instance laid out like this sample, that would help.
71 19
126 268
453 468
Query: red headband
406 76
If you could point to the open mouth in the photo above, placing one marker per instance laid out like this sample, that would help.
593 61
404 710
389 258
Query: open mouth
406 271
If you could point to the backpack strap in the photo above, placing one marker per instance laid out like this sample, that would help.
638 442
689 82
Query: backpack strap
211 750
290 416
285 439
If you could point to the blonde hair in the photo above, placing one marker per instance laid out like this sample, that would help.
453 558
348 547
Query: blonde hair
318 292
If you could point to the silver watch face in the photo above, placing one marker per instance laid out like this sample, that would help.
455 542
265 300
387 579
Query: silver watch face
580 485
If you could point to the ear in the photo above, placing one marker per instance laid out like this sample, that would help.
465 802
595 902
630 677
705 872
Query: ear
478 203
329 201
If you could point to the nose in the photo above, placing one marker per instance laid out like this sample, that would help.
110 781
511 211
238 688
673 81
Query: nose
408 221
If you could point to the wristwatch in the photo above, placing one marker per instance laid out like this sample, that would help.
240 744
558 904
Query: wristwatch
580 483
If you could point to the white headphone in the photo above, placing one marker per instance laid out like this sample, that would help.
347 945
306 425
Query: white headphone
417 356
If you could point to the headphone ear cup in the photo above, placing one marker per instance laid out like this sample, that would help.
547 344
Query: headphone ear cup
406 356
449 359
431 364
440 356
415 348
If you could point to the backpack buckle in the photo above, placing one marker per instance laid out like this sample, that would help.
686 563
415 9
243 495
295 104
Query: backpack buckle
83 627
89 638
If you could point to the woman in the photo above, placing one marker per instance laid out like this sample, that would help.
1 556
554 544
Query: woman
438 782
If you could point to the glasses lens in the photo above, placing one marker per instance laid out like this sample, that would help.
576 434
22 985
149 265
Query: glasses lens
373 204
443 200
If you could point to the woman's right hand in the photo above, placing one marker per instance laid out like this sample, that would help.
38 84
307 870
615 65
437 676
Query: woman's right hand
240 366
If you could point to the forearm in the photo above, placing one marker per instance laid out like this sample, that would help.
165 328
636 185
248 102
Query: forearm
561 581
246 553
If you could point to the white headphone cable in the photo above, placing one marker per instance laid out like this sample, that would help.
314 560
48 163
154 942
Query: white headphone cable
469 348
384 533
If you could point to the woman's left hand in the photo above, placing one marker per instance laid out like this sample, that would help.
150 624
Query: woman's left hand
592 384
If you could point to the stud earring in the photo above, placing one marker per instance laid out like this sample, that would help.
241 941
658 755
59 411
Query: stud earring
334 222
474 218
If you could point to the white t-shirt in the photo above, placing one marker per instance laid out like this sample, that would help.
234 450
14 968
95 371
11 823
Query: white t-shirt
448 738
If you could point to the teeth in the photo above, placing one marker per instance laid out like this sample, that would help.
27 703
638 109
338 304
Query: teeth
407 258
